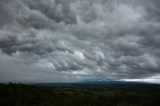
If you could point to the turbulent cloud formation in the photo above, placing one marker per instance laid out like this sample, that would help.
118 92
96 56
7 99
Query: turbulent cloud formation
74 40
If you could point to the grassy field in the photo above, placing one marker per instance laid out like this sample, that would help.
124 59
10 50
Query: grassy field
80 95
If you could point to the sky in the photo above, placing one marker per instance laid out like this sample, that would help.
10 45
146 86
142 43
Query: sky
77 40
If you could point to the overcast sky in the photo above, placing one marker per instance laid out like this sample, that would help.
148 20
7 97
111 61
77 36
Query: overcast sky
74 40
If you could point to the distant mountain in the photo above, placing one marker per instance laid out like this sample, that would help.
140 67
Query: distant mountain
94 82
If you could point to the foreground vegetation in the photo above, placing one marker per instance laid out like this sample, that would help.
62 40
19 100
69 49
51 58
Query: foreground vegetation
79 95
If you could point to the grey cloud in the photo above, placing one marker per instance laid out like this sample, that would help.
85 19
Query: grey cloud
59 40
53 9
6 15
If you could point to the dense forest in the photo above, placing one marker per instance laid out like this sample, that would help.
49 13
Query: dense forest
79 95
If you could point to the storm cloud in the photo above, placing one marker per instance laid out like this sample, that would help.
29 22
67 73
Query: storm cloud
74 40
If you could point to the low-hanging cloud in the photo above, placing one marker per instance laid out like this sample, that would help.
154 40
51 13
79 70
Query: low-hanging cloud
73 40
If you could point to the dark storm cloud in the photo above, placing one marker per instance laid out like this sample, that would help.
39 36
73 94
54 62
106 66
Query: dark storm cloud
56 10
72 40
6 14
